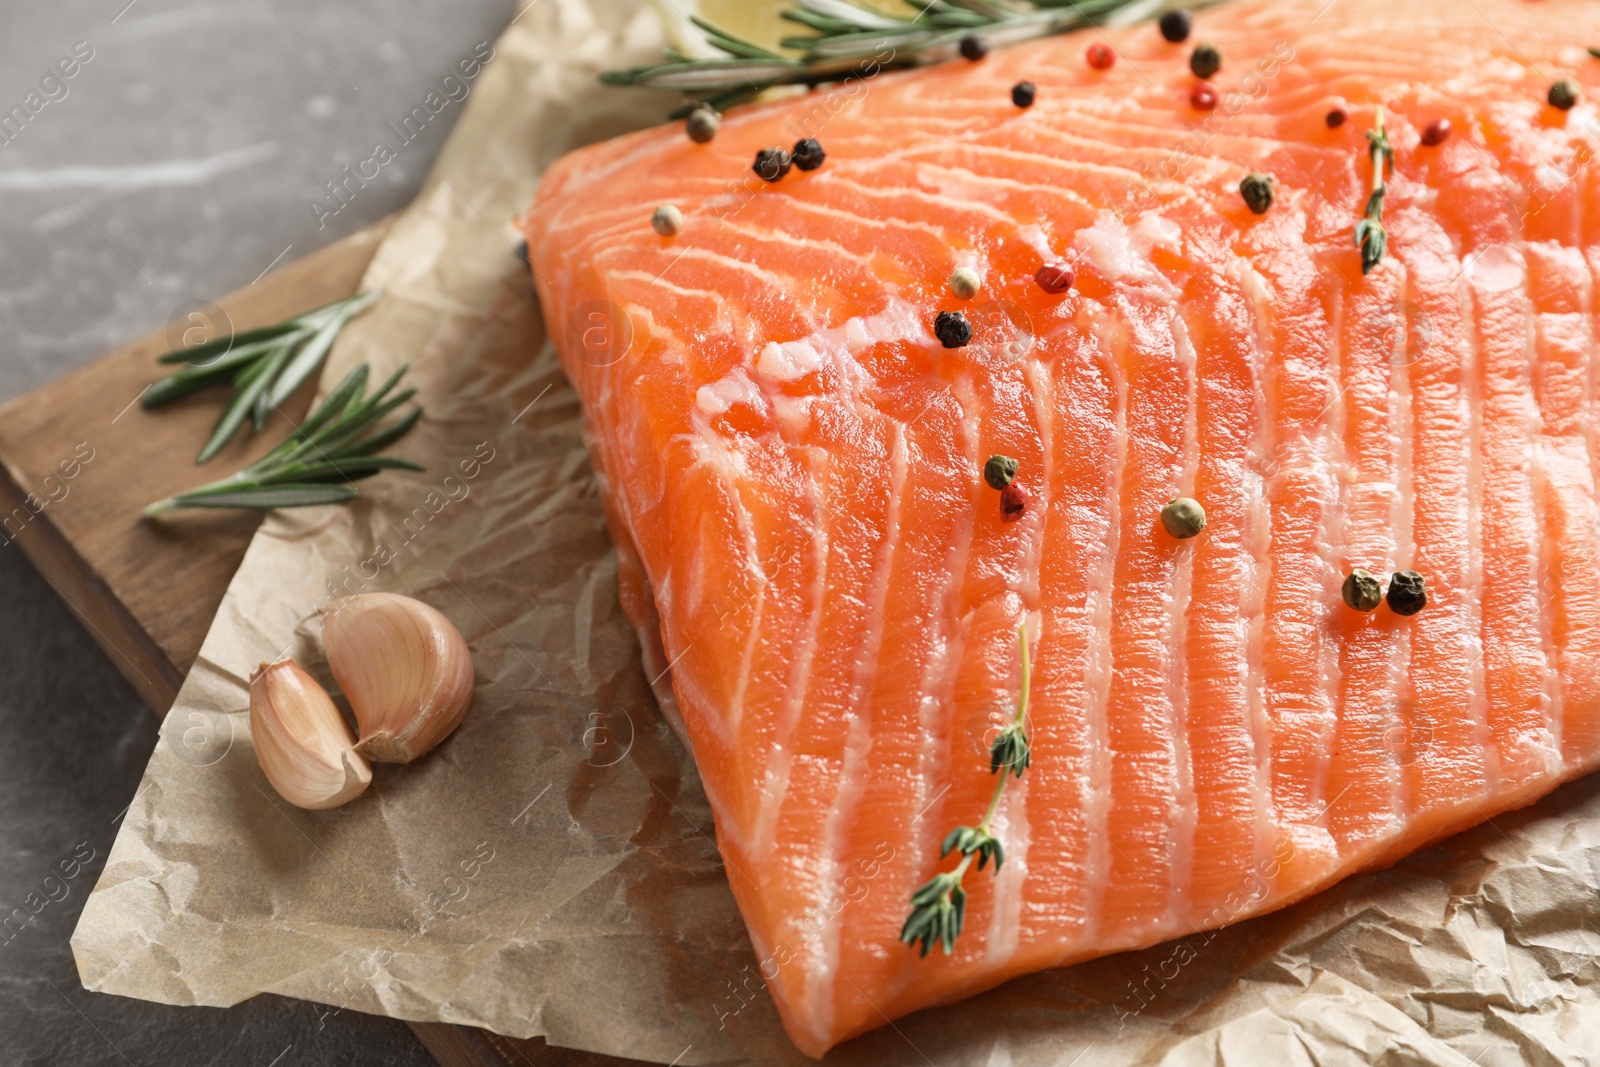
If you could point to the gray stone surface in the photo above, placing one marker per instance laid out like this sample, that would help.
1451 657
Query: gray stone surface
176 164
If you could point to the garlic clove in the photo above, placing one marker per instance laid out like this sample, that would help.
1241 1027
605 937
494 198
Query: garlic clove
305 747
404 668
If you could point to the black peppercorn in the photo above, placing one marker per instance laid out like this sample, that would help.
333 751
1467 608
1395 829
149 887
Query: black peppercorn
974 47
1176 25
1022 94
952 329
1000 471
1336 117
772 164
1257 192
1407 596
808 153
522 251
1361 591
1564 94
1205 61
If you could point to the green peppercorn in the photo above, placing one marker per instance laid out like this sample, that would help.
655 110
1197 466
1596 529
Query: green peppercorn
702 124
1205 61
1407 594
1000 471
1183 517
1564 94
1362 591
1257 192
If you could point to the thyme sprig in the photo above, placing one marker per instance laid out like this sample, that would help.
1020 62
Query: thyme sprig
336 446
265 367
1371 237
939 907
849 40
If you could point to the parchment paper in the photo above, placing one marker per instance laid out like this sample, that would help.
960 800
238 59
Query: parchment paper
551 869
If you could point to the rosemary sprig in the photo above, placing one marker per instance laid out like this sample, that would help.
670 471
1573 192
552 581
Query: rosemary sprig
939 906
1371 237
849 40
265 366
336 446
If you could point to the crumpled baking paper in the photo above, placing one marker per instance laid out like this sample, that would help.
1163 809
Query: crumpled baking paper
551 869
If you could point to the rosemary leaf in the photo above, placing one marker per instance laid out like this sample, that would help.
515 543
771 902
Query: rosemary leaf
259 498
317 464
311 356
201 354
251 384
265 366
850 40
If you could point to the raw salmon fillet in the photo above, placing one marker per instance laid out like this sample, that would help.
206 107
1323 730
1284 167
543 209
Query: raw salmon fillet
792 468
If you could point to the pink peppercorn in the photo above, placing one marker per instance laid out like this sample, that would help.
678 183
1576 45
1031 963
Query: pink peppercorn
1055 277
1013 502
1203 96
1437 133
1100 56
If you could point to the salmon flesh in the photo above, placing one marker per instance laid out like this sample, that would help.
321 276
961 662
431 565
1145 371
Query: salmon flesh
792 465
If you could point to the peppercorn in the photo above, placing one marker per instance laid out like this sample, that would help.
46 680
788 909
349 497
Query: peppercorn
952 329
1100 56
1336 117
1361 591
1013 501
1407 593
974 47
772 164
1022 94
1437 133
1564 94
702 124
1257 192
1000 471
808 153
667 220
1183 517
965 283
1205 61
1176 26
1203 96
522 251
1055 277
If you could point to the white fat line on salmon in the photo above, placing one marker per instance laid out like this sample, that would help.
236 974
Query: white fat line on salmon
1255 889
1254 86
810 929
737 195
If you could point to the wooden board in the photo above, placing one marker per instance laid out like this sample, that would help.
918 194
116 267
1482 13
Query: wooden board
79 459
